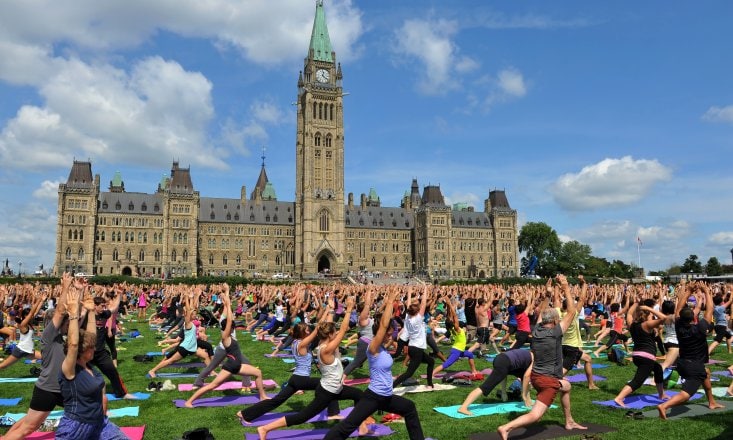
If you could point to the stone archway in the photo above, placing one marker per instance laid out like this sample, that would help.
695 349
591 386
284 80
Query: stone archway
482 274
127 271
324 264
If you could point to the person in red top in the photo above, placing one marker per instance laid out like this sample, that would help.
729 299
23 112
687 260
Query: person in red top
523 328
617 328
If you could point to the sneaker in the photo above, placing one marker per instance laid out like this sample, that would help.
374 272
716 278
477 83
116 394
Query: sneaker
158 386
152 386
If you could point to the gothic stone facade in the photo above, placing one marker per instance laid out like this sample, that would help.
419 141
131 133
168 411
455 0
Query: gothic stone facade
176 232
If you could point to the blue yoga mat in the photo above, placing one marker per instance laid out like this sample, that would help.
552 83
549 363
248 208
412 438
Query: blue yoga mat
154 353
138 396
30 361
484 409
130 411
595 366
10 402
17 379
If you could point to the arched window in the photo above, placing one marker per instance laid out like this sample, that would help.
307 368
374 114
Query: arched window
320 111
102 236
80 254
384 261
173 256
225 260
139 237
323 221
115 255
315 109
157 255
76 234
211 258
68 253
142 255
175 238
239 260
185 255
70 234
317 140
99 254
330 113
128 254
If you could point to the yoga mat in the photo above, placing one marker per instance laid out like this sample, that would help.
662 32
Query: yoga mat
269 417
17 379
542 431
721 392
289 360
484 409
31 362
186 365
10 402
715 361
132 432
154 353
175 375
231 385
138 396
422 389
690 410
595 366
580 377
724 373
315 434
357 381
130 411
279 355
639 401
221 401
459 374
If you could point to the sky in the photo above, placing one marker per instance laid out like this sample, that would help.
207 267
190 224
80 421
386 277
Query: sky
610 122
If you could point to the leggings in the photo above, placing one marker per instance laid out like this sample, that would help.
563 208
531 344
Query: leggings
454 355
260 319
321 401
361 356
103 361
417 355
371 402
644 367
219 355
521 338
295 383
110 340
432 344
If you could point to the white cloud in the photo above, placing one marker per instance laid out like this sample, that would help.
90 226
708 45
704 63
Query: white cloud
49 190
511 82
721 238
29 235
719 114
609 183
498 20
431 43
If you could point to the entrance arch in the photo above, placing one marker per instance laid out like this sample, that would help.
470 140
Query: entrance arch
482 274
324 264
126 271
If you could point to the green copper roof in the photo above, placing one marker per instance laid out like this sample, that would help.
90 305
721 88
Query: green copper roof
117 179
164 182
373 194
320 42
269 192
460 206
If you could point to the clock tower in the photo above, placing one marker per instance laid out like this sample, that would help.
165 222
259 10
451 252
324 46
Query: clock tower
319 151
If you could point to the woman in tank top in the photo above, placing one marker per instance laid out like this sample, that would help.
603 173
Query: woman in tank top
24 348
330 387
234 363
671 345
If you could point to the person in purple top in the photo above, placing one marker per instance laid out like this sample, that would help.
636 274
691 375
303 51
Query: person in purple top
378 395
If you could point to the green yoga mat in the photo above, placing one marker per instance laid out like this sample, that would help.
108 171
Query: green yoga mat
484 409
544 430
690 410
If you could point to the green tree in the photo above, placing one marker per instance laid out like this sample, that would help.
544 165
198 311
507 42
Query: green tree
713 267
573 258
538 239
691 265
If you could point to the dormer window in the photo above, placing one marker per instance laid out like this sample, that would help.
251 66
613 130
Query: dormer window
118 206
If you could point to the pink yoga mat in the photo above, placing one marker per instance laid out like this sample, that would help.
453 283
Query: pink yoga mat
134 432
231 385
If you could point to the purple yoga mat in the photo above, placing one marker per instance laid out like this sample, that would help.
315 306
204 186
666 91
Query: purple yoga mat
315 434
639 401
231 385
715 361
269 417
221 401
724 373
580 377
279 355
186 365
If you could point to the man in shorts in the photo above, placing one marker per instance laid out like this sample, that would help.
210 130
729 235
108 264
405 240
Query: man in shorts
546 375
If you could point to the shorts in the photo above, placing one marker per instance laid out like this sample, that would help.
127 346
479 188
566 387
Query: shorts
570 356
721 333
231 365
512 328
694 374
45 401
482 335
498 325
183 352
18 353
547 387
668 345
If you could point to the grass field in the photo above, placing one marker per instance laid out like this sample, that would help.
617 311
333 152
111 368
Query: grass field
164 421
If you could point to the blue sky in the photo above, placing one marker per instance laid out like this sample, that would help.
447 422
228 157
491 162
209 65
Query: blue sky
607 122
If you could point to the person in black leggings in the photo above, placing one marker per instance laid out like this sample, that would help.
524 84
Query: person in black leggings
518 363
415 326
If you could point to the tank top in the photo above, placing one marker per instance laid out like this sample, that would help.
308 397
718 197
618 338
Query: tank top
459 340
380 372
670 334
416 331
365 332
302 363
643 340
189 339
233 351
25 342
141 302
331 374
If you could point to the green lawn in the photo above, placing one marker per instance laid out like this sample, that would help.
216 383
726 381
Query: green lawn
164 421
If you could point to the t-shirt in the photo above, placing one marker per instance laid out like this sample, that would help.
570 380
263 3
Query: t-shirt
380 372
571 337
83 396
523 322
470 306
512 316
692 340
52 353
547 348
719 316
519 361
101 323
416 331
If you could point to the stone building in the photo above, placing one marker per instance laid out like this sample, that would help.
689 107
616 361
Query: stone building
177 232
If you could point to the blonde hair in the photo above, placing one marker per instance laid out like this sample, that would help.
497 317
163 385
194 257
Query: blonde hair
86 340
325 329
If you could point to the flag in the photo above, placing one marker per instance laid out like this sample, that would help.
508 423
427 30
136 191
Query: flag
638 240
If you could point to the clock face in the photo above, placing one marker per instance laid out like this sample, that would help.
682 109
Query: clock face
322 75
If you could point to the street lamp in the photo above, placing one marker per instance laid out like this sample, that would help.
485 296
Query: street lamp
20 268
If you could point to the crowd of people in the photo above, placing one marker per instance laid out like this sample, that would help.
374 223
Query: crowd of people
77 322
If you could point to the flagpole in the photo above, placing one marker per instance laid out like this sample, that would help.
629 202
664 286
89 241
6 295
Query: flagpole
638 250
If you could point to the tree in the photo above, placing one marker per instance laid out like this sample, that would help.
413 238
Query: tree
573 258
713 267
691 265
537 239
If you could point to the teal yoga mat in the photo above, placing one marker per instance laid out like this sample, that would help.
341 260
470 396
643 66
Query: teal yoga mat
484 409
17 379
130 411
138 396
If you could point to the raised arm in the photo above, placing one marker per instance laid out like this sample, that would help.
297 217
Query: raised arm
708 302
68 366
226 301
383 322
570 315
334 344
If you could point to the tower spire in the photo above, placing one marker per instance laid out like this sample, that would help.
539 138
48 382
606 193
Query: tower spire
320 47
263 156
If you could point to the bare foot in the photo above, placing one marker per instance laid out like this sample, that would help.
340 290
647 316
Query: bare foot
299 392
574 425
151 374
241 418
664 396
465 411
364 429
188 404
129 396
335 417
262 433
264 397
503 432
593 387
715 405
620 403
662 412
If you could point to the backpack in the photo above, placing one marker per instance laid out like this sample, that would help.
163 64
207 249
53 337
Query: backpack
618 356
198 434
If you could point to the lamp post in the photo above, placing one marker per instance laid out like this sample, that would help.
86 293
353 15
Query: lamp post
20 268
731 255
